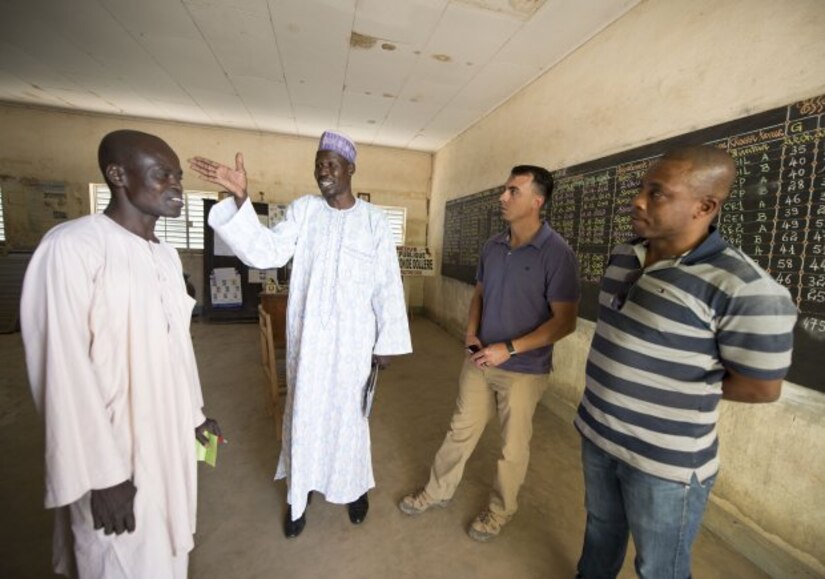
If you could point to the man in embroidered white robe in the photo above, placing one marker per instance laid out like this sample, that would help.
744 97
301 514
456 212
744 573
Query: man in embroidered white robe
105 321
346 305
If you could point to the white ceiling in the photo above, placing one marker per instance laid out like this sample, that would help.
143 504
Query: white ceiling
401 73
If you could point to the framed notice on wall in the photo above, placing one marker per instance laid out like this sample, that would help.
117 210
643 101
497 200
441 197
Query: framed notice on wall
415 261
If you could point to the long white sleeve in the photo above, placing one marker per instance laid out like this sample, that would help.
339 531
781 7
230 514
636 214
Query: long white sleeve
392 327
81 448
256 245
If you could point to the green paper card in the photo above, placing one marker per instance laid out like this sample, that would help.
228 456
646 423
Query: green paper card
208 452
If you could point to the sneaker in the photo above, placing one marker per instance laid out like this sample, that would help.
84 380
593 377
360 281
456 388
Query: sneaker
418 502
486 526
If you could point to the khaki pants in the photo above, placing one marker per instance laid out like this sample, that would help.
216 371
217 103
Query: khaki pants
481 395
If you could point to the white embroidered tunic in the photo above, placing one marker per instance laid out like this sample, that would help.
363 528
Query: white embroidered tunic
346 303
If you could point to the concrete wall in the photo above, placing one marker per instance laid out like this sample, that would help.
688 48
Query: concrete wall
666 68
45 145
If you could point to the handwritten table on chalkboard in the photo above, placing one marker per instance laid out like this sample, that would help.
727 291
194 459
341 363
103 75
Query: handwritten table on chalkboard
775 213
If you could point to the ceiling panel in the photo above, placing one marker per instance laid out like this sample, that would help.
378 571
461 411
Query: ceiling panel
263 97
359 108
276 124
16 90
492 86
223 107
469 34
379 71
311 122
189 61
84 100
31 35
259 7
422 71
360 133
317 27
432 91
560 28
451 120
152 17
189 112
406 120
34 72
243 42
402 22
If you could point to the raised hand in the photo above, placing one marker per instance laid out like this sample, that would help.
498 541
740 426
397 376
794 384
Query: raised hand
233 180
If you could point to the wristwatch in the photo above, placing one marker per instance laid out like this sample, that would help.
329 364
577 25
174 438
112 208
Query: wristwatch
510 348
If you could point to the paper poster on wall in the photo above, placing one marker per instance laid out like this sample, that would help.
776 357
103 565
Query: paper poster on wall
225 287
262 275
37 206
415 261
277 213
53 195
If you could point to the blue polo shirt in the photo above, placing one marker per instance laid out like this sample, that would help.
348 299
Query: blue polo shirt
519 285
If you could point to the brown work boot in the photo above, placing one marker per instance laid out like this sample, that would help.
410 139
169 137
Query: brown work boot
418 502
486 526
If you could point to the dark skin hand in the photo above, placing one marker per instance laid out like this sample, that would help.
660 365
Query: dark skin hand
113 508
210 425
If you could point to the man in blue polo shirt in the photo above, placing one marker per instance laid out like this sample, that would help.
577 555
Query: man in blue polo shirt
526 299
684 320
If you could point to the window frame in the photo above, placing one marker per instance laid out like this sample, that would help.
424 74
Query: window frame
99 195
2 220
395 213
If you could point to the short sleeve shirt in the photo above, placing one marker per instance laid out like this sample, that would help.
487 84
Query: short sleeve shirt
519 285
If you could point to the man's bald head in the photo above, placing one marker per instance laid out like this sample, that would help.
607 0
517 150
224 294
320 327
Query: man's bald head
712 170
119 147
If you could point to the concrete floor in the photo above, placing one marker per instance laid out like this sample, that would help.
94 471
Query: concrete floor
241 508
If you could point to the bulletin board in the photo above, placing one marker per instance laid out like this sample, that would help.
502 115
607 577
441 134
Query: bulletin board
247 309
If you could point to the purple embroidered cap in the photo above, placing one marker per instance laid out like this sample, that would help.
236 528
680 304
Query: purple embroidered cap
338 143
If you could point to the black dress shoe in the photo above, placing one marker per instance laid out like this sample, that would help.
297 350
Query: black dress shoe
293 528
358 509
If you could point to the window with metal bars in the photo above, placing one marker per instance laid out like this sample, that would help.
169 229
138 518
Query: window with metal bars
397 216
184 232
2 220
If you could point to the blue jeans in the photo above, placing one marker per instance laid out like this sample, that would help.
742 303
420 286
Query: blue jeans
663 516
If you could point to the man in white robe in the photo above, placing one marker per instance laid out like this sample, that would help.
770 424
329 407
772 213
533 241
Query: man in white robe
346 306
105 322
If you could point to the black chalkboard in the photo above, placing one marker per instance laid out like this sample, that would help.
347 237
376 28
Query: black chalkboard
468 223
776 213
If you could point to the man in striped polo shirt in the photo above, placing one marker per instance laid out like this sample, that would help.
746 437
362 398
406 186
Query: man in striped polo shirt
684 320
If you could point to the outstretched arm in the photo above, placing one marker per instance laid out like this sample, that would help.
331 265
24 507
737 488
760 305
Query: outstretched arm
232 180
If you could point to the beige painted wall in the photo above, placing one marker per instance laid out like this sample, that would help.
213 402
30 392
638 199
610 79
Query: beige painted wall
666 68
45 144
